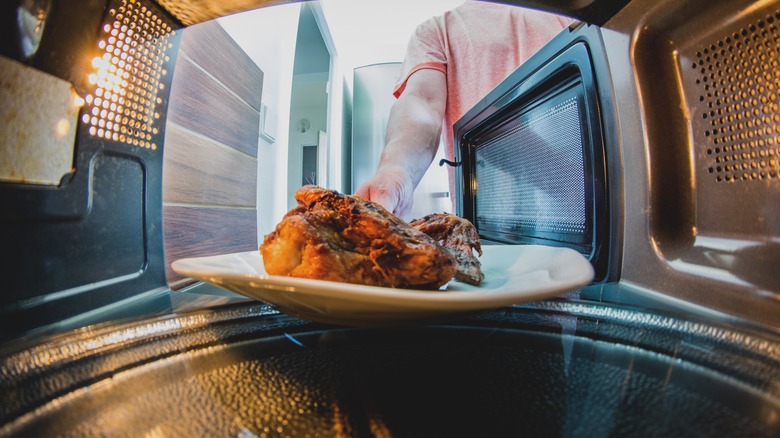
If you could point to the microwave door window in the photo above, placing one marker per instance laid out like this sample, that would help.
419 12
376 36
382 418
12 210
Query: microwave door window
531 176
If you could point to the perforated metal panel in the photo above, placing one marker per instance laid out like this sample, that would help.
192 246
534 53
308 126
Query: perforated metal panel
738 79
729 67
95 240
702 197
127 75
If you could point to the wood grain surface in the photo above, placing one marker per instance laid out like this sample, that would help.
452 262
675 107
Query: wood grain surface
196 170
211 47
205 106
210 150
196 231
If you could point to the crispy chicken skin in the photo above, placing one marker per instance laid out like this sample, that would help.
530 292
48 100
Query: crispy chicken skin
460 237
330 236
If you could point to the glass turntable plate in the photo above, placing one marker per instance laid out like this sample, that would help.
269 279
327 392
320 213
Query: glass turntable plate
513 274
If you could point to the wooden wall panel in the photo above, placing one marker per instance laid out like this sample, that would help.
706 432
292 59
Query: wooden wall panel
211 47
205 106
197 231
210 150
199 171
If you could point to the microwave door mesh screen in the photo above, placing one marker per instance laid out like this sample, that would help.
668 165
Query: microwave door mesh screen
531 179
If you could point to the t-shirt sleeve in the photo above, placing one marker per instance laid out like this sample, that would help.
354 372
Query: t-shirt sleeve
426 49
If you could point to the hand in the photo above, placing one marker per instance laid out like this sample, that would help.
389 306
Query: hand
392 189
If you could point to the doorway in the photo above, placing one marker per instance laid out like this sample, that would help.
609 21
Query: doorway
309 103
309 166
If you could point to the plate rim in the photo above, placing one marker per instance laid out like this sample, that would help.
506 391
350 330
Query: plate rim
400 296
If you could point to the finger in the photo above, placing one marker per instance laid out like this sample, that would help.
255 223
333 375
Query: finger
385 199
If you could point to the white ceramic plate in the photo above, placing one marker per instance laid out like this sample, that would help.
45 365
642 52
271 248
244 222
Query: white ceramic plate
513 275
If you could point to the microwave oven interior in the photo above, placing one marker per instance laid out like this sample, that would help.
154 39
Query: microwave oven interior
89 237
645 137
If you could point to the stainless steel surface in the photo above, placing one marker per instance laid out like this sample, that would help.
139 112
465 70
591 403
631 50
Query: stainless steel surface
197 11
191 12
569 368
688 341
690 233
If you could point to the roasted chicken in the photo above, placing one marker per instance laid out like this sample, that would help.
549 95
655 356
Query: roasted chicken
460 237
330 236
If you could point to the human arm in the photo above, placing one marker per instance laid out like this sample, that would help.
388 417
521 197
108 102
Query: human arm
413 132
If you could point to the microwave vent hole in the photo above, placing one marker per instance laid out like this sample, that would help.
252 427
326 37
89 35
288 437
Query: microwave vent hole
126 74
739 85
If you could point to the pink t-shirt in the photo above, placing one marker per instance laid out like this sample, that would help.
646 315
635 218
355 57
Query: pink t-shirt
477 45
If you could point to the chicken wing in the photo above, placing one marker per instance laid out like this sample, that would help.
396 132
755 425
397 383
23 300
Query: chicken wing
460 237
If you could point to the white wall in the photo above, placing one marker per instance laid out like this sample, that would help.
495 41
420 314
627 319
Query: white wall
268 36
